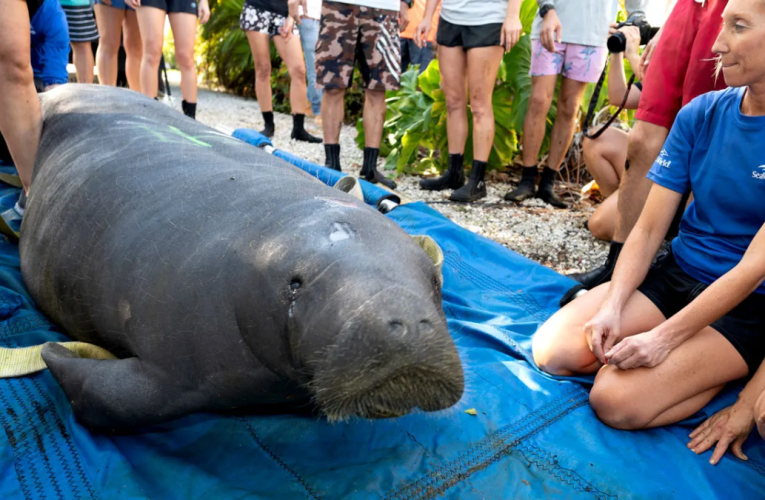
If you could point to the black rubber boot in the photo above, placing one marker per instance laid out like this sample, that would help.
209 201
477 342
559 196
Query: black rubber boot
475 189
332 156
595 277
268 130
546 191
299 133
369 169
453 178
189 109
525 189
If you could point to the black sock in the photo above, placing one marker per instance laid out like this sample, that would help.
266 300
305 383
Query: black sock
189 109
298 130
529 174
268 117
455 162
332 154
370 162
548 178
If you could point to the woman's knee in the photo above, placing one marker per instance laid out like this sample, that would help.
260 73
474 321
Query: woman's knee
152 52
17 69
263 71
297 71
552 356
185 60
540 100
614 403
601 225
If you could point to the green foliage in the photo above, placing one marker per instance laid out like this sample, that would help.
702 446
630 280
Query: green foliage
227 60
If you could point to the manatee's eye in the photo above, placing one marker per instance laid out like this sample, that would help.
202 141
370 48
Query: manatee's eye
295 284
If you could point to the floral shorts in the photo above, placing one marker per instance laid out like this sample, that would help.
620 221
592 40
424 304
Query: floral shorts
262 21
582 63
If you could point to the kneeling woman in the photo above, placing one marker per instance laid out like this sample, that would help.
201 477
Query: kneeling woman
665 340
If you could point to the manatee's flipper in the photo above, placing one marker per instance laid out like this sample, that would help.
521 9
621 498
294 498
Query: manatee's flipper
118 394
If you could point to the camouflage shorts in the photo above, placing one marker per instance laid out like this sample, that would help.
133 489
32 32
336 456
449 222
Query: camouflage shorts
351 33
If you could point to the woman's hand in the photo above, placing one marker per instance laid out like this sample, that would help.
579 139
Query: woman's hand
133 3
421 33
644 349
403 16
551 31
602 331
731 425
294 7
204 11
106 2
645 59
285 30
511 32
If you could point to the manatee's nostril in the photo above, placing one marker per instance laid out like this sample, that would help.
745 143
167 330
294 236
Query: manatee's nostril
425 327
296 283
397 328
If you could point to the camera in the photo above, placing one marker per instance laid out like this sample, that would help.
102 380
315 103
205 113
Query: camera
618 42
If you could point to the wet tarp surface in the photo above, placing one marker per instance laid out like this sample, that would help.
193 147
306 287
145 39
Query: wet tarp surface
531 437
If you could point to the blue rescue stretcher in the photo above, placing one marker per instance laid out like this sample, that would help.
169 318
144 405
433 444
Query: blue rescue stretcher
532 436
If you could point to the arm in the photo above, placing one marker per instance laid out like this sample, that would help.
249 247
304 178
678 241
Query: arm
512 28
294 7
421 33
733 424
617 81
716 301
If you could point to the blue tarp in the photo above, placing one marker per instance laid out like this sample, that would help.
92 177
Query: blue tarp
532 437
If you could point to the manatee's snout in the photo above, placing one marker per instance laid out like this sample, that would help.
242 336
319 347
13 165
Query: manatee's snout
389 360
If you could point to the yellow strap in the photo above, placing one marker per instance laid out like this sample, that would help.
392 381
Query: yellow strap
11 180
7 231
19 361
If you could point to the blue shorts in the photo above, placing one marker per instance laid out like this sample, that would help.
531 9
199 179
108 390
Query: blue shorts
117 4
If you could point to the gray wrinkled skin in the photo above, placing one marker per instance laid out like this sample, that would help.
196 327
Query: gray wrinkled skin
222 276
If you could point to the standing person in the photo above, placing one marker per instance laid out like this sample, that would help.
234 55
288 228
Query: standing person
472 36
367 32
681 68
308 27
411 53
117 23
82 32
605 155
568 40
265 20
183 16
21 117
50 46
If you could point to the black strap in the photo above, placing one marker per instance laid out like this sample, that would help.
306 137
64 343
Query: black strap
594 103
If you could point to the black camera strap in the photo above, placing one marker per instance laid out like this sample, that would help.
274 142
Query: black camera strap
594 102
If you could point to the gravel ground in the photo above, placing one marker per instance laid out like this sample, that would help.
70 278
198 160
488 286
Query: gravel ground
554 238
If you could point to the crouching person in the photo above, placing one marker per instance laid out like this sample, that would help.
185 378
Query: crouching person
665 339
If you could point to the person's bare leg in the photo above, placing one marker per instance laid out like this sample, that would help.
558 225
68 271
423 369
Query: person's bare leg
569 100
453 67
332 112
645 143
21 118
82 55
482 66
675 389
291 53
560 346
261 55
374 117
109 20
534 128
151 23
602 222
605 157
184 28
535 122
131 40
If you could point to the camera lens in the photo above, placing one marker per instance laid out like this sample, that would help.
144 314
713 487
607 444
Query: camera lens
617 43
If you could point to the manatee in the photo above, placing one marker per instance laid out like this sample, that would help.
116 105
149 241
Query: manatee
219 276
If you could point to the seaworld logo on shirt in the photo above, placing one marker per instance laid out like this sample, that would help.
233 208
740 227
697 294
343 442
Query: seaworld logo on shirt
759 175
662 159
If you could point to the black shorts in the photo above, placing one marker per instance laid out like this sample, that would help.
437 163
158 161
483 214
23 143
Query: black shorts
671 289
468 37
186 6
